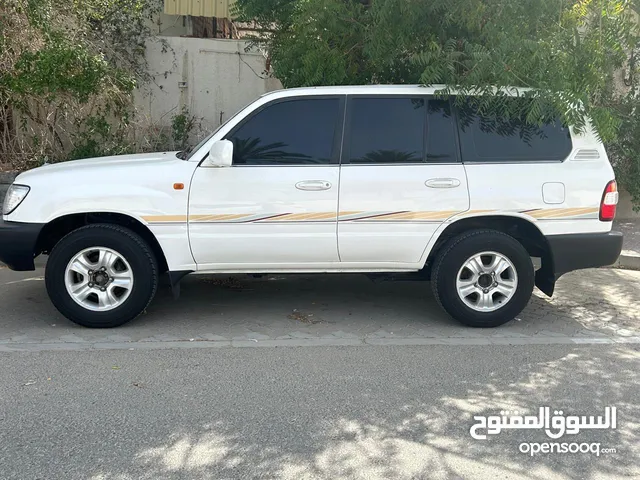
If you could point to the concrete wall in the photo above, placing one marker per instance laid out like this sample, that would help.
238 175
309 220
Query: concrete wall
6 179
170 25
212 78
625 210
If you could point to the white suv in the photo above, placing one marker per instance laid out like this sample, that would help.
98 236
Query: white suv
333 179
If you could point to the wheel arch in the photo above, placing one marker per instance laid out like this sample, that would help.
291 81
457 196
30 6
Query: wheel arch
56 229
523 230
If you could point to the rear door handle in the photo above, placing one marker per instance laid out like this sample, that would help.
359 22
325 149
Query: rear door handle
313 185
442 183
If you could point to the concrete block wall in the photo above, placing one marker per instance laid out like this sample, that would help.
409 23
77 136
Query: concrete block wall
625 208
211 78
6 179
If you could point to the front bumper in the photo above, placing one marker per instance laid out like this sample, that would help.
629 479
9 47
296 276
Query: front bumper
574 252
18 243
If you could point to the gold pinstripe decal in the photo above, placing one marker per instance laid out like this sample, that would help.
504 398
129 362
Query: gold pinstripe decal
556 213
362 216
213 218
582 211
433 215
305 216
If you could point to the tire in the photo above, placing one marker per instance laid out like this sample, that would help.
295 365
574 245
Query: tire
135 261
451 272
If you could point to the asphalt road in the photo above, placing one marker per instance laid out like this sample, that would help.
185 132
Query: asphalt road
309 412
591 306
335 377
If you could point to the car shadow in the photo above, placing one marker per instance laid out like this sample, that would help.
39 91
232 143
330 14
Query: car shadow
601 302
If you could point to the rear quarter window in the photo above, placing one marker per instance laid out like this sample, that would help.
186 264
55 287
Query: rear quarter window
487 138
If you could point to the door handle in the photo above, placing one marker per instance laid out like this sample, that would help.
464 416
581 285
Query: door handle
442 183
313 185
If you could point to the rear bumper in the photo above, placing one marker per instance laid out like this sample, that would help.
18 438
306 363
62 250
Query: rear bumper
577 251
18 243
584 250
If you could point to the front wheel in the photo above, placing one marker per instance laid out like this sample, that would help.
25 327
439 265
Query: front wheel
101 275
483 278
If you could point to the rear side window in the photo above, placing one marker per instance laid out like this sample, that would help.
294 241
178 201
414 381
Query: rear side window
290 132
399 130
492 139
387 130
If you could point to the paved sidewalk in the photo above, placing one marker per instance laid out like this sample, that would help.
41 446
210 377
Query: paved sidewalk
590 306
630 255
631 230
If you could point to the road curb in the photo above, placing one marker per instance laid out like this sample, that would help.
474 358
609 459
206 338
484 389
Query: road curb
628 262
319 342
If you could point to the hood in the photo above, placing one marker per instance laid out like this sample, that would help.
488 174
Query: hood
100 165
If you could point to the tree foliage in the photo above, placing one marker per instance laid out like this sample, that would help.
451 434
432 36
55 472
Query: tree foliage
67 71
570 54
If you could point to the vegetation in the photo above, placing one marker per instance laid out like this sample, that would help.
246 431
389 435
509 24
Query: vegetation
571 54
67 71
182 124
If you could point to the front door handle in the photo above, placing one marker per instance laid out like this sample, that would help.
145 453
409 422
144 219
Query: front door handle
313 185
442 183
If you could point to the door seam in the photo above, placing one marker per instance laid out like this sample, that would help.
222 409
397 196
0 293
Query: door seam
344 126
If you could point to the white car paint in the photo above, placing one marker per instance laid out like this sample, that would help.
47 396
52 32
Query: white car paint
223 200
140 186
370 236
224 220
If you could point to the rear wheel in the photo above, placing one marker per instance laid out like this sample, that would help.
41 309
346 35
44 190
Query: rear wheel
101 275
483 278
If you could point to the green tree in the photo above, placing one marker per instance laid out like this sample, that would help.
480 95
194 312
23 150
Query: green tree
570 54
67 71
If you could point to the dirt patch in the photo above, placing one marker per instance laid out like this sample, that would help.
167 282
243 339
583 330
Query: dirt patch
299 316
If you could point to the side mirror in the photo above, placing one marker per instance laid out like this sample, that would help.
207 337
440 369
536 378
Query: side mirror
220 155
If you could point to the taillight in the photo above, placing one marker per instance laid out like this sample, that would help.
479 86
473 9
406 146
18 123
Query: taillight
609 202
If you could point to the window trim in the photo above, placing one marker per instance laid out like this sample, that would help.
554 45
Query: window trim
346 147
337 134
456 138
459 135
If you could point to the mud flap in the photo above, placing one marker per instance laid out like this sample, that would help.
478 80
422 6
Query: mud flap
545 278
174 281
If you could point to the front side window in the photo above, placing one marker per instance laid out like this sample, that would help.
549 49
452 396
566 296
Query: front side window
289 132
489 138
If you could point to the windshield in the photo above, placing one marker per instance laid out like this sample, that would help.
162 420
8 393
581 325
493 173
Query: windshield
190 151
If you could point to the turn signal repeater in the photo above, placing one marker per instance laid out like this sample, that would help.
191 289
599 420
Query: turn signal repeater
178 186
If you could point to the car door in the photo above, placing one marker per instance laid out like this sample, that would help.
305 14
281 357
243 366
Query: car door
400 177
276 206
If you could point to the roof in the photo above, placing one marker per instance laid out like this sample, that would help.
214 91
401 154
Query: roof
372 90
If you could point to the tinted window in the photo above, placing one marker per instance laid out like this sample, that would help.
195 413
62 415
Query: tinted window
441 141
491 139
292 132
386 130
